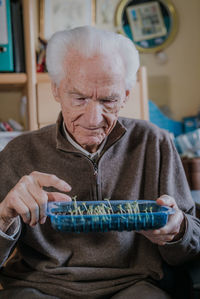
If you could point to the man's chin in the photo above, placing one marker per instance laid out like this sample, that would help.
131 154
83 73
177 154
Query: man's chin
91 141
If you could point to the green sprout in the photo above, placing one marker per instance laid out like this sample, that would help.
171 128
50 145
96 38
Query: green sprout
105 209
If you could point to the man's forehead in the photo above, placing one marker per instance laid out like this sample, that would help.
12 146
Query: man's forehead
93 73
110 61
92 79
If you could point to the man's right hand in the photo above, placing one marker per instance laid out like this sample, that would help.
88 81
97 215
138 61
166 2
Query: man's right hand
28 199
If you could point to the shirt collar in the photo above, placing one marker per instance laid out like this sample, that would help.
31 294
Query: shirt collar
80 148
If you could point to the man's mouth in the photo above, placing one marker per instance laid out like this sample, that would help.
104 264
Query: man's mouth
92 128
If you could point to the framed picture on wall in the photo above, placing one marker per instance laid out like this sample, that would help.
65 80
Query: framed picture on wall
146 21
151 24
63 14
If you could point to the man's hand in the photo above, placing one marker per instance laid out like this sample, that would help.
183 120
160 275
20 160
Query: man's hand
175 227
29 200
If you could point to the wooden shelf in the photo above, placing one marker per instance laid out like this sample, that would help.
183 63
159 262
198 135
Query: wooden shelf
17 79
24 83
43 77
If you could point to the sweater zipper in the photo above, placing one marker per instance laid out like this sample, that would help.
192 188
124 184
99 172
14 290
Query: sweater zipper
96 175
95 170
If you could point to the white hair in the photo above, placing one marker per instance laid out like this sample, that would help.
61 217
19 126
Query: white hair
88 41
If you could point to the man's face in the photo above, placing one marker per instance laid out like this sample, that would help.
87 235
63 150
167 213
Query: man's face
91 96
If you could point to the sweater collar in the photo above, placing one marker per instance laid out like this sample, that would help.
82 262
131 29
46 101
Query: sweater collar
63 144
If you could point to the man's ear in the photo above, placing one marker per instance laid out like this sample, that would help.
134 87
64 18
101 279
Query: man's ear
127 94
55 91
126 98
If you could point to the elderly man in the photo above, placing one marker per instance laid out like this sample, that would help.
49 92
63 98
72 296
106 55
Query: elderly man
92 154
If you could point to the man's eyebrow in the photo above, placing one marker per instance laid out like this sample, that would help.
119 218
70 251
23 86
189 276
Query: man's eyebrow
111 97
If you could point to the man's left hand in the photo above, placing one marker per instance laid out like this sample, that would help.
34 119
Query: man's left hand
175 227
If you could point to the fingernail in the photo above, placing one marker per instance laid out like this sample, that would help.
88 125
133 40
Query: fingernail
42 221
68 187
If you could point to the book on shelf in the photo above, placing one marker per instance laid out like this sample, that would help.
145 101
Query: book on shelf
9 130
6 42
41 56
10 126
18 37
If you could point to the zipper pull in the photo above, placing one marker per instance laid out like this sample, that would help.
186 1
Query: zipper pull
95 170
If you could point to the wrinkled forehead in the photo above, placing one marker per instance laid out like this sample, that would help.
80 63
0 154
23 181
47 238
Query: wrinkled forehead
97 67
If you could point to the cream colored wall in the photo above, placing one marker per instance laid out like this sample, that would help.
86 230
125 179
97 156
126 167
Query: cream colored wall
177 82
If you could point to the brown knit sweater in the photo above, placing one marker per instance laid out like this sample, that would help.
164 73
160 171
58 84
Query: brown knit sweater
138 161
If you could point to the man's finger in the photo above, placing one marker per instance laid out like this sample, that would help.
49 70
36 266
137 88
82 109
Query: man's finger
56 196
166 200
50 180
21 209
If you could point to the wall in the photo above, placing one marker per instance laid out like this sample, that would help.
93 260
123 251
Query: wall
177 82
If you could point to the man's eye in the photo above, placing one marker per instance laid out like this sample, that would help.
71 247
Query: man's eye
78 101
109 102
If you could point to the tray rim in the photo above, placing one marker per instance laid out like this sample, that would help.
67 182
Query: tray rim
167 210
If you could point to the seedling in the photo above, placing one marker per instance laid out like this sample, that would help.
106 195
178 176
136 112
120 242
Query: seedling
104 208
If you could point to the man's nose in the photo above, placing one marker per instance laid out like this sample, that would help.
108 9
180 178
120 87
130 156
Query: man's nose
93 114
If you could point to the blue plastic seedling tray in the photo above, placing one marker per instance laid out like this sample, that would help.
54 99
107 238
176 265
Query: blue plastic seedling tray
143 215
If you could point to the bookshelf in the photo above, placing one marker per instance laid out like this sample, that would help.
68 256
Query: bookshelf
24 83
15 79
31 84
43 77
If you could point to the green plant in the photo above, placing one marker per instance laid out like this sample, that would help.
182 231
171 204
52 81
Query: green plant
105 208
